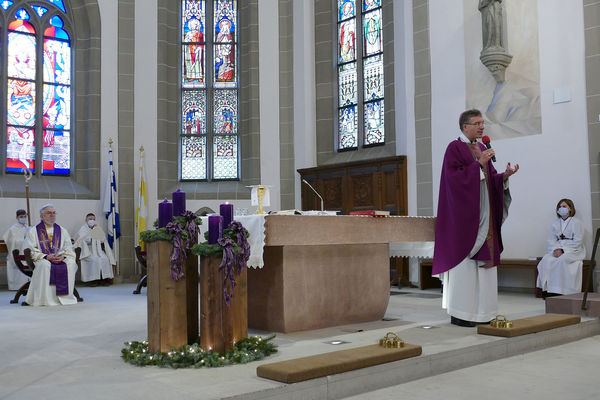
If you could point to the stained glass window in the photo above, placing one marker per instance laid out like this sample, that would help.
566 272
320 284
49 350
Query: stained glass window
38 141
209 90
360 74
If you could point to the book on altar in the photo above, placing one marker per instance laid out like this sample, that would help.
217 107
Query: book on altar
373 213
286 212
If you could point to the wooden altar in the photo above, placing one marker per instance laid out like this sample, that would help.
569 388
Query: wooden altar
322 271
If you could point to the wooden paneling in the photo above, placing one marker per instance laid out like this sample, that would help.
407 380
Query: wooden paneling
362 185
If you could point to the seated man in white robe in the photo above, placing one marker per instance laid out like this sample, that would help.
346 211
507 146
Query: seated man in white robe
14 239
96 263
53 278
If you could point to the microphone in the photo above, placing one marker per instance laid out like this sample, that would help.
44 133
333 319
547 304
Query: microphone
313 189
486 141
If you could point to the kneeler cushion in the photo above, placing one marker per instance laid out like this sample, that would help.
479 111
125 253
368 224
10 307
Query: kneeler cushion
305 368
528 325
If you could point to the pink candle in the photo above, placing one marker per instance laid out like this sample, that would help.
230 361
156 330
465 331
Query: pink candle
165 213
226 211
178 203
215 228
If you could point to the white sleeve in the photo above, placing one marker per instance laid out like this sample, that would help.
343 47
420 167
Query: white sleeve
553 238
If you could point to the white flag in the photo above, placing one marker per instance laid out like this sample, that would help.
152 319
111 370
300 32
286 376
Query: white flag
111 206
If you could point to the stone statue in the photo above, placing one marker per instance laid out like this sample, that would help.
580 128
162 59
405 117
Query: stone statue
491 23
493 55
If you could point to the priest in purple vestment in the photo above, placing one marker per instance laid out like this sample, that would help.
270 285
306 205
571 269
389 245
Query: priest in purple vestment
53 278
473 203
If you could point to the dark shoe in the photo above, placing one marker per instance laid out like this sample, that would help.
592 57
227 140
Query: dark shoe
462 322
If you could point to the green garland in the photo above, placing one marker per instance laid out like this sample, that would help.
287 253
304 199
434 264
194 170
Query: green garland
162 233
194 356
214 250
156 234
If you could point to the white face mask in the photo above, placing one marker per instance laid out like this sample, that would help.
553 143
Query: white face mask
91 223
563 211
23 220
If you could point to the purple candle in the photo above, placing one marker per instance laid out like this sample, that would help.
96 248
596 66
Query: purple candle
165 213
178 203
226 211
215 228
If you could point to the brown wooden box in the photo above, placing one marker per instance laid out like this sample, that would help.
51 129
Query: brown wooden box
172 305
221 325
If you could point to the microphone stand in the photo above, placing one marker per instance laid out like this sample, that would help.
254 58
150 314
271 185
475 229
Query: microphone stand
317 193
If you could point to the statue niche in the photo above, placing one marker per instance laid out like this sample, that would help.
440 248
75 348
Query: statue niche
493 55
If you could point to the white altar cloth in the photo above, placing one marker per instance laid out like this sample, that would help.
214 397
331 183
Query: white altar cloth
255 225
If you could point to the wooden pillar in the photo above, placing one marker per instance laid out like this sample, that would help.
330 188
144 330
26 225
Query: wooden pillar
221 326
171 304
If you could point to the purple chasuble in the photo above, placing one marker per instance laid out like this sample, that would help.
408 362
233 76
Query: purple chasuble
458 208
58 272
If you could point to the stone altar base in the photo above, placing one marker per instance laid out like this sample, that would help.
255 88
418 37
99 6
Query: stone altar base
571 304
172 305
313 286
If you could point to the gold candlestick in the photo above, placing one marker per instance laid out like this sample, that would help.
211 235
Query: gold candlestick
260 191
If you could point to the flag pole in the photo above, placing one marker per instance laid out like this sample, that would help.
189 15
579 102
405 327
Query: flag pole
138 209
28 175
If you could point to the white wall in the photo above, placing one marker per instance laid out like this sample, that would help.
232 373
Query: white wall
145 102
268 60
404 95
305 130
554 164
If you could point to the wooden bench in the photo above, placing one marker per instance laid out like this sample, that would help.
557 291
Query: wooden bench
426 281
3 253
141 257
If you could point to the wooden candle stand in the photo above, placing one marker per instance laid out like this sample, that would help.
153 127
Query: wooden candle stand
221 326
172 305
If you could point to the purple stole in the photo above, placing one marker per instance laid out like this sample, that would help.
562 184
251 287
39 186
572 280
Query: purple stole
486 253
58 272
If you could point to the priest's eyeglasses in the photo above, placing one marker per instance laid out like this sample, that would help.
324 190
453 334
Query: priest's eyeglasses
482 123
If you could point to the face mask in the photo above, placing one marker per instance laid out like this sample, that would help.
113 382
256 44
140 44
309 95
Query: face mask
563 211
23 220
91 223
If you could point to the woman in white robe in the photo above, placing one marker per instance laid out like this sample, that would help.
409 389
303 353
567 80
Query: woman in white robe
560 270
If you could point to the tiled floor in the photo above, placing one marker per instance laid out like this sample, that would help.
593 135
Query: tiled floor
74 352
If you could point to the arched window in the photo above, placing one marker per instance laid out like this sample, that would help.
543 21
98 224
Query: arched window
36 50
360 74
209 137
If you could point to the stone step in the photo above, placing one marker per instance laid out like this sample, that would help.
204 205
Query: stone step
571 304
433 361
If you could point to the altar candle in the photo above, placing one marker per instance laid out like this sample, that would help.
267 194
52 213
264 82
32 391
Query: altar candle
178 203
226 211
165 213
215 228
